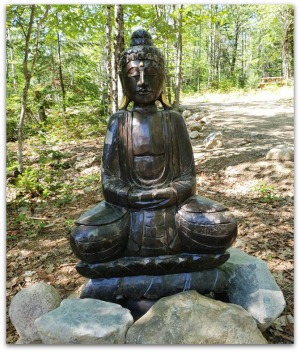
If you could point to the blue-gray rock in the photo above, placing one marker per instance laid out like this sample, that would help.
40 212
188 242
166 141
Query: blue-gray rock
28 305
186 114
85 321
189 318
252 286
196 126
281 153
213 140
194 134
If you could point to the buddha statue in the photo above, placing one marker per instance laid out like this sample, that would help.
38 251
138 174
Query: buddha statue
150 212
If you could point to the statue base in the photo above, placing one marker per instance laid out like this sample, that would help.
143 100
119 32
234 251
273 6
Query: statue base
153 287
243 280
160 265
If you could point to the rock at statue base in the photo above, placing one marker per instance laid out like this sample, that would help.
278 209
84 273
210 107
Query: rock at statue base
252 286
189 318
28 305
245 279
85 321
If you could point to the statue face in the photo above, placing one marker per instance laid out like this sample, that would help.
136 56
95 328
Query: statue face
142 81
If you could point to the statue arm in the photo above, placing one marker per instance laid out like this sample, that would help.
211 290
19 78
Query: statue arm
115 189
185 184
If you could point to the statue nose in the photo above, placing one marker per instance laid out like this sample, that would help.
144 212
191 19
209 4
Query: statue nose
141 81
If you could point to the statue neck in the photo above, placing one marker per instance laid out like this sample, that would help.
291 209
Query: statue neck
145 109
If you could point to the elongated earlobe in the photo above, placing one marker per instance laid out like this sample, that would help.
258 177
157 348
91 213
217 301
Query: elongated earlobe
125 102
164 101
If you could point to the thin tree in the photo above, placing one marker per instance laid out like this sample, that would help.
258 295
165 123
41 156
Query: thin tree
118 48
11 51
61 78
28 72
178 75
288 42
108 30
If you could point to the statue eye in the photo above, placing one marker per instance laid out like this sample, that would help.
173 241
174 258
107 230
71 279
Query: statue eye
133 72
151 71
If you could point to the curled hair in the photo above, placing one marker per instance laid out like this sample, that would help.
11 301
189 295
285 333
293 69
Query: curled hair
141 48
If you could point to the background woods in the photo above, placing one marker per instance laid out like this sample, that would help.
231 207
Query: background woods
62 85
62 57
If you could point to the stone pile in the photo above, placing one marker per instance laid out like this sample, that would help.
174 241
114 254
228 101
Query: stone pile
195 121
254 302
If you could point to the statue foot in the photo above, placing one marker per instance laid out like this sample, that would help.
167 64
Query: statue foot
101 233
205 226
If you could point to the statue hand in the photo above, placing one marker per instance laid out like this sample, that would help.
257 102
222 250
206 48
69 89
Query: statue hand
156 198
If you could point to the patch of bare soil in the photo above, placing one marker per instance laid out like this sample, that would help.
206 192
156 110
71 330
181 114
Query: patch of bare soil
259 192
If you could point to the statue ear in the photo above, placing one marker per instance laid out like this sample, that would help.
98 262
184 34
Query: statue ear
124 103
164 101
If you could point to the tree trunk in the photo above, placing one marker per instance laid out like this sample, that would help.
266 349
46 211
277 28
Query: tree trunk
199 58
287 43
178 74
27 75
210 49
62 85
235 46
25 92
168 78
11 51
108 30
118 48
21 124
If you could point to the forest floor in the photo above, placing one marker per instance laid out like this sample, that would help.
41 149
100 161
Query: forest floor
259 192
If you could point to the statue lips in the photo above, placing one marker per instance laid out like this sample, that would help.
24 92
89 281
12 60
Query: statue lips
144 91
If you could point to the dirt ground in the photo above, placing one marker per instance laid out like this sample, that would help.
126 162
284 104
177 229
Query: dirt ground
259 192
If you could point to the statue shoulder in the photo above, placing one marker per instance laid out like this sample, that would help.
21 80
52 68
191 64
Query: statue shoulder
114 118
176 117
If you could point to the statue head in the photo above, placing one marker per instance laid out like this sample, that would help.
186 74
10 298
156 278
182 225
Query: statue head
142 71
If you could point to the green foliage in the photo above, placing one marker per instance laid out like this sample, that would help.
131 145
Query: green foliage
225 47
267 192
29 182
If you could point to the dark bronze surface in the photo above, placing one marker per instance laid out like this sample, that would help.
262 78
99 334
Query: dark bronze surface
160 265
155 286
151 221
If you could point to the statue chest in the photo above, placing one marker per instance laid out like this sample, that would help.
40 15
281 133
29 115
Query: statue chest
147 135
148 148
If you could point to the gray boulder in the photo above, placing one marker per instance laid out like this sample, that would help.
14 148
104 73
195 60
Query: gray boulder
196 116
213 140
28 305
195 126
252 286
194 134
190 318
281 153
85 321
186 114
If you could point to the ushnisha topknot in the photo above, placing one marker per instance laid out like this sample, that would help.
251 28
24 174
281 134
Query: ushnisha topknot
141 37
141 48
